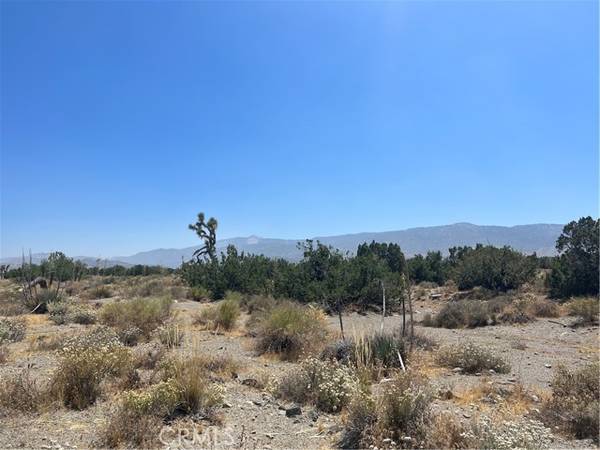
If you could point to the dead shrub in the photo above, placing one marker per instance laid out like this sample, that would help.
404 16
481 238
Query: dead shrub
575 403
544 308
21 392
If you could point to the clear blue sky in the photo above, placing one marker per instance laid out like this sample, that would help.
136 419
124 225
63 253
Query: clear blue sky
122 120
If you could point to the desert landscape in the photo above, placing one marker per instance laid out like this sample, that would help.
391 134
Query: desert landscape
149 361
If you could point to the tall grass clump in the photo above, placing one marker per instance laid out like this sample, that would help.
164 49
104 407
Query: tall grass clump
290 329
223 316
575 403
146 314
471 358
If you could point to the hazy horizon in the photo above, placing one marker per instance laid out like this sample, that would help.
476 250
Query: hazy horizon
122 120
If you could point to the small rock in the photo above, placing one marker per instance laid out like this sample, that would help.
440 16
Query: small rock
478 374
270 435
226 405
535 398
492 371
466 415
293 411
387 441
548 366
250 382
457 370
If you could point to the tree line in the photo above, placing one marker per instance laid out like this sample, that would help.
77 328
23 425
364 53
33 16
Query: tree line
329 276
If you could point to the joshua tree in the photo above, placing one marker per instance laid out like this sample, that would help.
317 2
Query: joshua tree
207 231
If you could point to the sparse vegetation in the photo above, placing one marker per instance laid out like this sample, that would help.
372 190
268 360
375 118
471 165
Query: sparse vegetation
12 330
290 329
170 335
219 317
144 313
575 402
21 392
587 310
328 385
471 358
397 417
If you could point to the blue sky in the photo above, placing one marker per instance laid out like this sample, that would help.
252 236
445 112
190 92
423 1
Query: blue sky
121 120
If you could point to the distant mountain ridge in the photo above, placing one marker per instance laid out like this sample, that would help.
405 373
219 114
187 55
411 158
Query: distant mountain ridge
539 238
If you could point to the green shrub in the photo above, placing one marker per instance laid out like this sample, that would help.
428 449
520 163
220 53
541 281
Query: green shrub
12 330
143 313
291 329
575 402
198 294
471 358
328 385
221 316
38 303
463 313
58 312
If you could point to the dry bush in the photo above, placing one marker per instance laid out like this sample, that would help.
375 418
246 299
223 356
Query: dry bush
170 335
143 313
290 329
21 392
129 429
471 358
84 363
98 292
11 304
397 418
69 312
140 415
445 431
219 317
586 310
12 330
197 394
329 385
575 403
148 355
462 313
544 308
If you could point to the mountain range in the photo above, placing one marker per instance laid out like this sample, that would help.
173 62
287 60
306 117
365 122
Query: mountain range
539 238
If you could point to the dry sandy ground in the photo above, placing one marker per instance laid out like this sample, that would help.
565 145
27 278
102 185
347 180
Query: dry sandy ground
252 418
